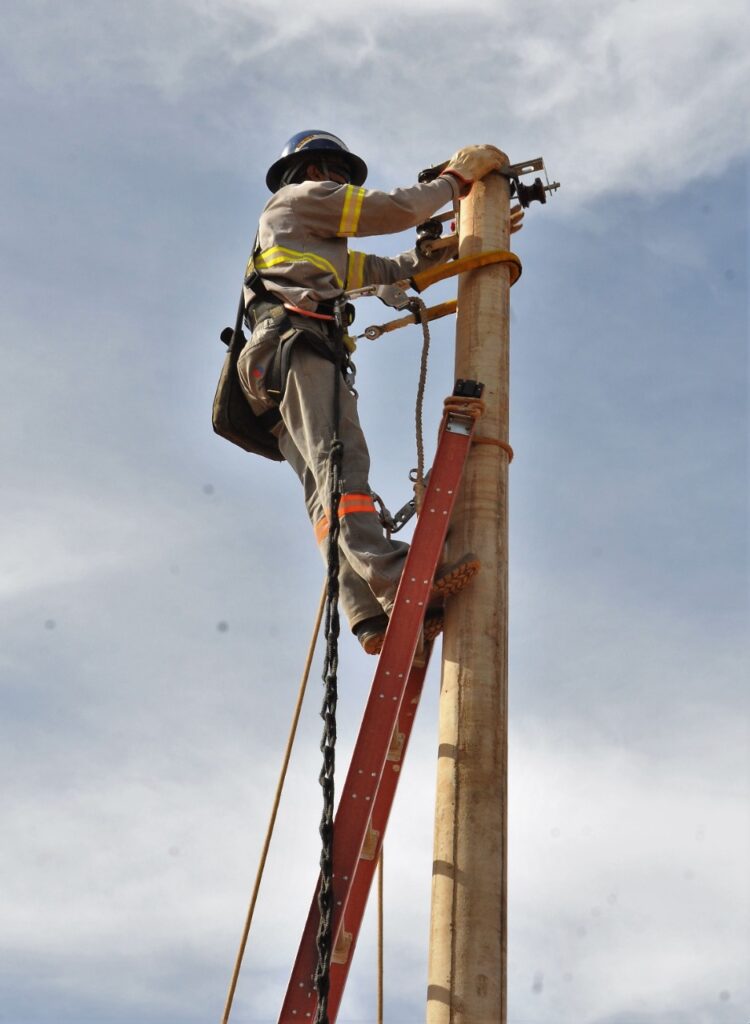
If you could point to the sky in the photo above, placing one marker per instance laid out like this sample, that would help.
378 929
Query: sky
159 586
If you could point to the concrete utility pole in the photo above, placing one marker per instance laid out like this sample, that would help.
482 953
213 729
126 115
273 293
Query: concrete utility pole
468 928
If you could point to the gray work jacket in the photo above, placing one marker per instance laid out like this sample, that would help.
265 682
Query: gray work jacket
303 254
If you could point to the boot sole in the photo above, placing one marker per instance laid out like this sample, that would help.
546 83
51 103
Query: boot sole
431 630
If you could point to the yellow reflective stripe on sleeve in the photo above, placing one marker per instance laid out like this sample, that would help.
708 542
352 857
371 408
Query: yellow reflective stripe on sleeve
355 270
352 210
278 254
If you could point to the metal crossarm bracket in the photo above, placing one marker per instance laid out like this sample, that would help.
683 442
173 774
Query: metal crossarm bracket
526 193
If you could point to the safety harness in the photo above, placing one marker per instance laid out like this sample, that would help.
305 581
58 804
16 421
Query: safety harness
318 331
232 415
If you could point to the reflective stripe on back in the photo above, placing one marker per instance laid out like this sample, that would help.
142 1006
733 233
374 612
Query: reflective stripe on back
278 255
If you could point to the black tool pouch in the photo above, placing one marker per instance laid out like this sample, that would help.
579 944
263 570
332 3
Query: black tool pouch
232 416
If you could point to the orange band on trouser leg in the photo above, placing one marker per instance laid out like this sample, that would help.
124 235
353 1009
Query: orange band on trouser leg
348 503
321 529
357 600
356 503
379 561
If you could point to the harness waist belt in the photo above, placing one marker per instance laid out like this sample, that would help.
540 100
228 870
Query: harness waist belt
259 308
306 312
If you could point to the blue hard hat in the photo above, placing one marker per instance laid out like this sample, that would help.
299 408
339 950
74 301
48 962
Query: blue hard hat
313 142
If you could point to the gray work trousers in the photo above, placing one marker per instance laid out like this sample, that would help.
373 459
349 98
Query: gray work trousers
371 563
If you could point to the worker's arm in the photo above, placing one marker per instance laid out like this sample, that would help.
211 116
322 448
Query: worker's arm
329 210
364 269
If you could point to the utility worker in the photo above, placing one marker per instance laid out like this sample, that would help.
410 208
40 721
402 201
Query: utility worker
299 266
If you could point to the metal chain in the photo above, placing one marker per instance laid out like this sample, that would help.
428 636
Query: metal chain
324 939
385 517
420 312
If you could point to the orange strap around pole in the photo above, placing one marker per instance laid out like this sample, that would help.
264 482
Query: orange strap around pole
493 440
463 265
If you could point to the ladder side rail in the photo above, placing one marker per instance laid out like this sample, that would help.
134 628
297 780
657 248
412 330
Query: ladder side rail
366 869
384 703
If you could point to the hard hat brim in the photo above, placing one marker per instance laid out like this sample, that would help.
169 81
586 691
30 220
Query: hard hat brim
357 166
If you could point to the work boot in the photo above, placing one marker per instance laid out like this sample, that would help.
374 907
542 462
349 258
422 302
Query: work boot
453 577
371 633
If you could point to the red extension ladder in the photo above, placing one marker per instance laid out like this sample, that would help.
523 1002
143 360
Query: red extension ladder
367 796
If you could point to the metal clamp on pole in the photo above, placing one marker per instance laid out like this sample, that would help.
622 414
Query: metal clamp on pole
526 194
432 313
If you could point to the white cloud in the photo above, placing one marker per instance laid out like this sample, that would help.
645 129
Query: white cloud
627 879
617 97
66 537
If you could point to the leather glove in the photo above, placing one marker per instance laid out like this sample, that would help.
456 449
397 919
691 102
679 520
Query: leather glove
472 163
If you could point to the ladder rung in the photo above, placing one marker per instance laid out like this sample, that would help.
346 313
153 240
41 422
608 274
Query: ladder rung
371 845
342 948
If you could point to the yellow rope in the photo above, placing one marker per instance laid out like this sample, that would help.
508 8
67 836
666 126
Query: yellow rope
380 937
276 801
